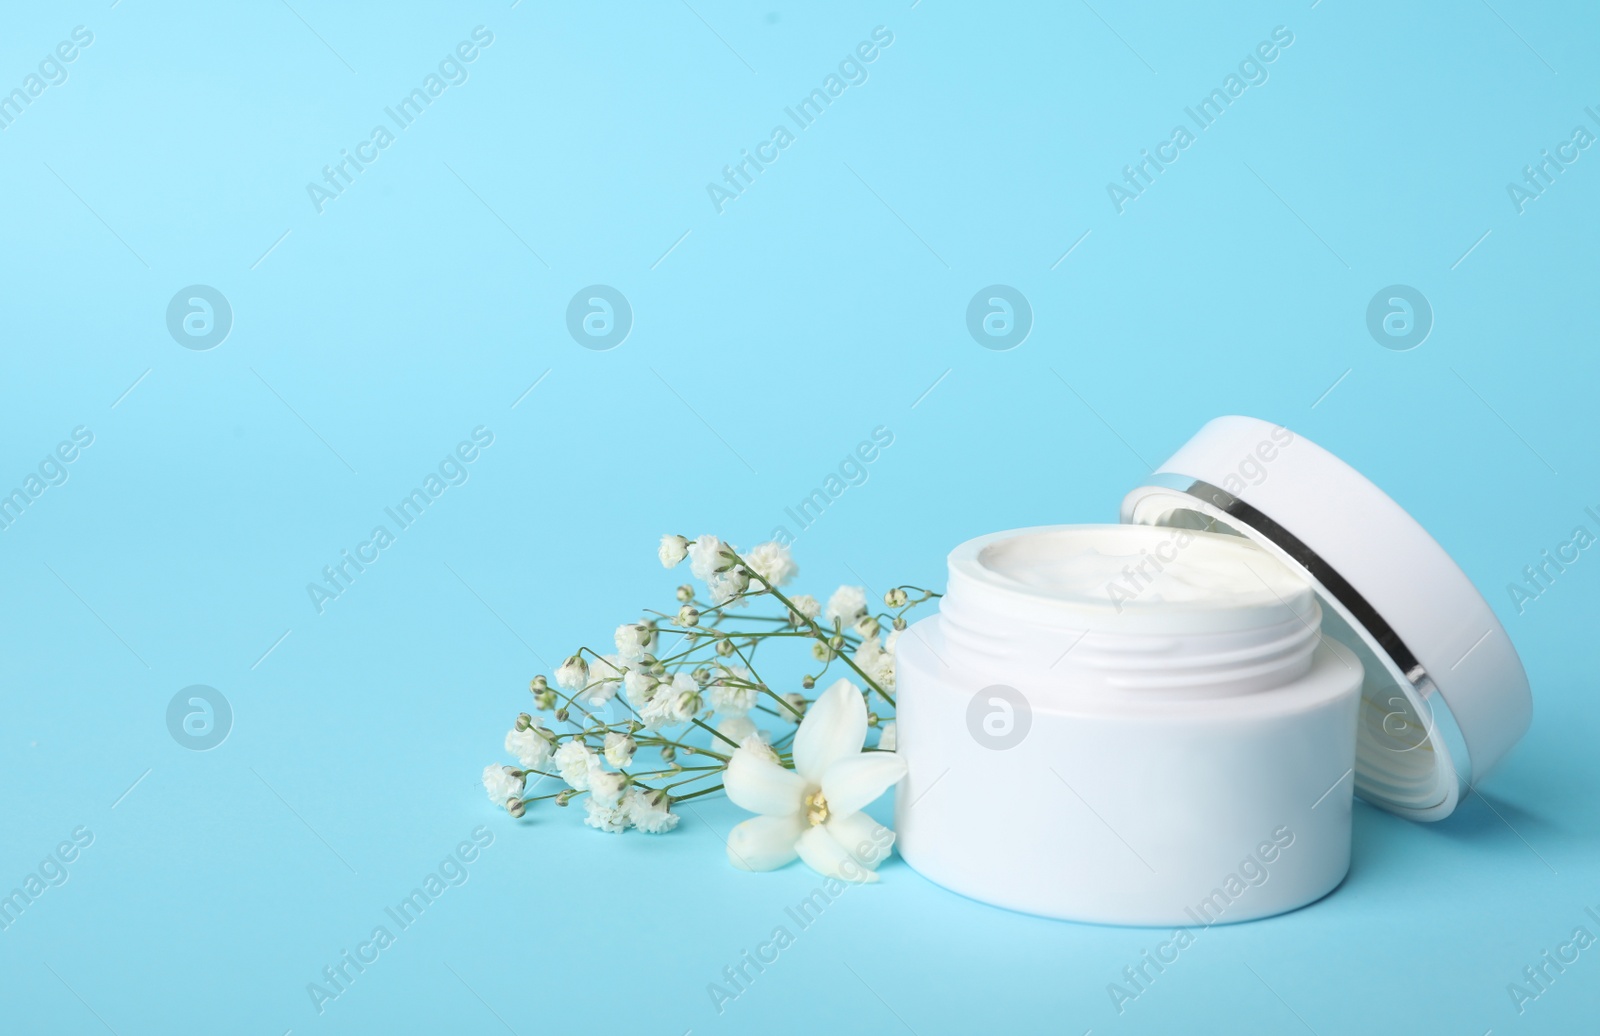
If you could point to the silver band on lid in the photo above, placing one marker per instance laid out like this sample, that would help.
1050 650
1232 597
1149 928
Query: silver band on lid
1442 725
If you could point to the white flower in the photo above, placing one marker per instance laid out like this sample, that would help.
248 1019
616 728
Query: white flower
634 641
771 561
574 760
876 661
673 550
886 736
605 676
640 686
705 557
572 674
737 729
672 703
848 604
806 605
619 749
648 811
501 783
531 746
612 819
709 561
606 788
815 810
725 586
728 695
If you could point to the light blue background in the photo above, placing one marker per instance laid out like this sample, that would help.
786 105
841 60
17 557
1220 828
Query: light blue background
822 303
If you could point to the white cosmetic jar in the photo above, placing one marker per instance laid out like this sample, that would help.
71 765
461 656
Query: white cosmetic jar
1164 722
1106 722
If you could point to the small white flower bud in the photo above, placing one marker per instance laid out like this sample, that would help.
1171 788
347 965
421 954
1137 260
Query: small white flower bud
688 615
685 592
515 807
895 598
673 550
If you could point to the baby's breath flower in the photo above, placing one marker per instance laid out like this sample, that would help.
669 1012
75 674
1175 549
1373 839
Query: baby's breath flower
688 615
635 640
887 735
706 558
573 673
639 687
515 806
612 819
575 760
806 606
673 703
685 592
895 598
606 788
736 728
530 743
845 607
771 561
619 749
729 695
725 586
673 549
648 811
501 782
605 676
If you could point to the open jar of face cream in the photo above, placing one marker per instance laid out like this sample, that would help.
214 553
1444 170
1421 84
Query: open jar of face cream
1163 722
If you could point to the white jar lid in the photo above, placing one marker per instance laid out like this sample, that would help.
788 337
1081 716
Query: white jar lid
1445 695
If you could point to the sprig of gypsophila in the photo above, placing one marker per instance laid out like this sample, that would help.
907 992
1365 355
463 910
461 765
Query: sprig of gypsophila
694 673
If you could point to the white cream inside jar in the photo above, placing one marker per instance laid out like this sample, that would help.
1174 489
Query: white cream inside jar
1103 720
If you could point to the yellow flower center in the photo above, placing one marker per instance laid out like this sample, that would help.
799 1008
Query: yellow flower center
816 808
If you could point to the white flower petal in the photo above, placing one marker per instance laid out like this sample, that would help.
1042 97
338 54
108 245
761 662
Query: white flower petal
764 843
835 726
823 854
865 839
854 783
758 783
